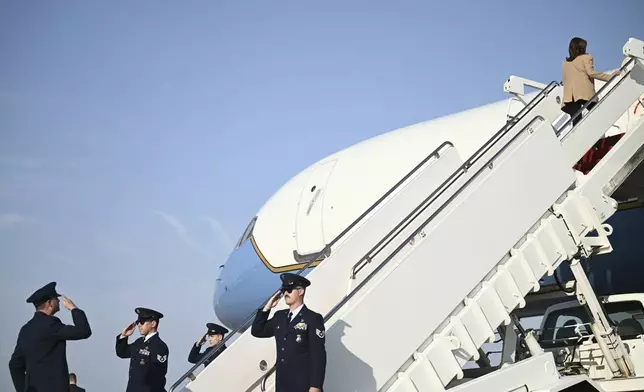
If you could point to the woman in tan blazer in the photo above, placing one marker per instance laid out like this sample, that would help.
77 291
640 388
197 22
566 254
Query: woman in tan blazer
578 78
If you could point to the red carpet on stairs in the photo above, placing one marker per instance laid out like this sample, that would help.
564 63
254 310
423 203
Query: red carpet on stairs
596 153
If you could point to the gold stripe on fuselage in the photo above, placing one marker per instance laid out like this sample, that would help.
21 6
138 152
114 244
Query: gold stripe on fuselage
286 268
627 205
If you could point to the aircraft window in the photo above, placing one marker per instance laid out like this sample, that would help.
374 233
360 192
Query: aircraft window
560 325
247 233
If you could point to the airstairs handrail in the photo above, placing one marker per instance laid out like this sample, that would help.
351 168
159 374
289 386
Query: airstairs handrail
434 195
431 198
247 322
406 221
595 98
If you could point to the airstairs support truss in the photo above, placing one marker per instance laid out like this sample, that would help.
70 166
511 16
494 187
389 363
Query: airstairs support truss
473 239
537 373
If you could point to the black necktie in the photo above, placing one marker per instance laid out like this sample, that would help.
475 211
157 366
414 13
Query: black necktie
289 316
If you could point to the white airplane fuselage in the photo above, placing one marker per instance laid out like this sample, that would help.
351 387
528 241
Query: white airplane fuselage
316 205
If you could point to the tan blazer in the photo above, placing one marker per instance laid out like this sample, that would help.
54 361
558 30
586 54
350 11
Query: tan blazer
578 78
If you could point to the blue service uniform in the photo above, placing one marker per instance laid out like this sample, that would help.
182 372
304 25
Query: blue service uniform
148 363
301 354
212 329
195 354
39 360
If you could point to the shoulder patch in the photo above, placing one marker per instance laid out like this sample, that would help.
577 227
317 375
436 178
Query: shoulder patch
319 333
162 358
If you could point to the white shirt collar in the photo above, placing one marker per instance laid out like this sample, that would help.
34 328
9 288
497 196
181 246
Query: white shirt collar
296 311
148 336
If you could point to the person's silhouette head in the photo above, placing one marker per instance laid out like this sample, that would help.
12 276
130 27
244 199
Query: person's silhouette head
45 299
576 48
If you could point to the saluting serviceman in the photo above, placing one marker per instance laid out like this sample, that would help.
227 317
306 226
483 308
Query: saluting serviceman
148 354
299 334
39 361
215 335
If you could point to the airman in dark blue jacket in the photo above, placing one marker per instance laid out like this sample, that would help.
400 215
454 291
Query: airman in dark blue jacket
215 335
148 354
39 361
299 336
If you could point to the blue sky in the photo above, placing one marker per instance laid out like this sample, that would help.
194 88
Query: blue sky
137 139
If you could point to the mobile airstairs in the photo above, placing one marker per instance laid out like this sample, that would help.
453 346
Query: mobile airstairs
423 278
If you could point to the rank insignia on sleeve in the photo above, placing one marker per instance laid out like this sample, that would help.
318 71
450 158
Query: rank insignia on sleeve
319 333
162 358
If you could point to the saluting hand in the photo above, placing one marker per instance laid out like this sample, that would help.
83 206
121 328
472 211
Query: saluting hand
201 340
68 303
129 330
314 389
273 301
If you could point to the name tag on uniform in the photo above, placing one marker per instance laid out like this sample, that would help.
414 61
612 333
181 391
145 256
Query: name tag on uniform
144 351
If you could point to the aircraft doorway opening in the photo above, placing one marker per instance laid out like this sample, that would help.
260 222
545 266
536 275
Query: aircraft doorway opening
309 233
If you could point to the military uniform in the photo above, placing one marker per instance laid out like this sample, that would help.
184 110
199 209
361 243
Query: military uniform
39 360
301 353
195 356
75 388
148 357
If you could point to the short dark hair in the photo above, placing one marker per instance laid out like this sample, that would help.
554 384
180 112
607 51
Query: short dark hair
42 303
72 377
576 48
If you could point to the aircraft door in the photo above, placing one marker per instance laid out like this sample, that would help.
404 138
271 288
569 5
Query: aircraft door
309 233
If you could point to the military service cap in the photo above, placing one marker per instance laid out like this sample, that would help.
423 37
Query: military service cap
44 293
146 314
290 280
216 329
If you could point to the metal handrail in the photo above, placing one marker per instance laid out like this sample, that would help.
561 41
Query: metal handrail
437 193
247 322
408 219
434 154
460 171
591 101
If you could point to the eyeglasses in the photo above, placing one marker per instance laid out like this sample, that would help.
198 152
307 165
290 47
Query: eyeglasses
143 320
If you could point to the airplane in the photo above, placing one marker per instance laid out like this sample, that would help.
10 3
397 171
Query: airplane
315 206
